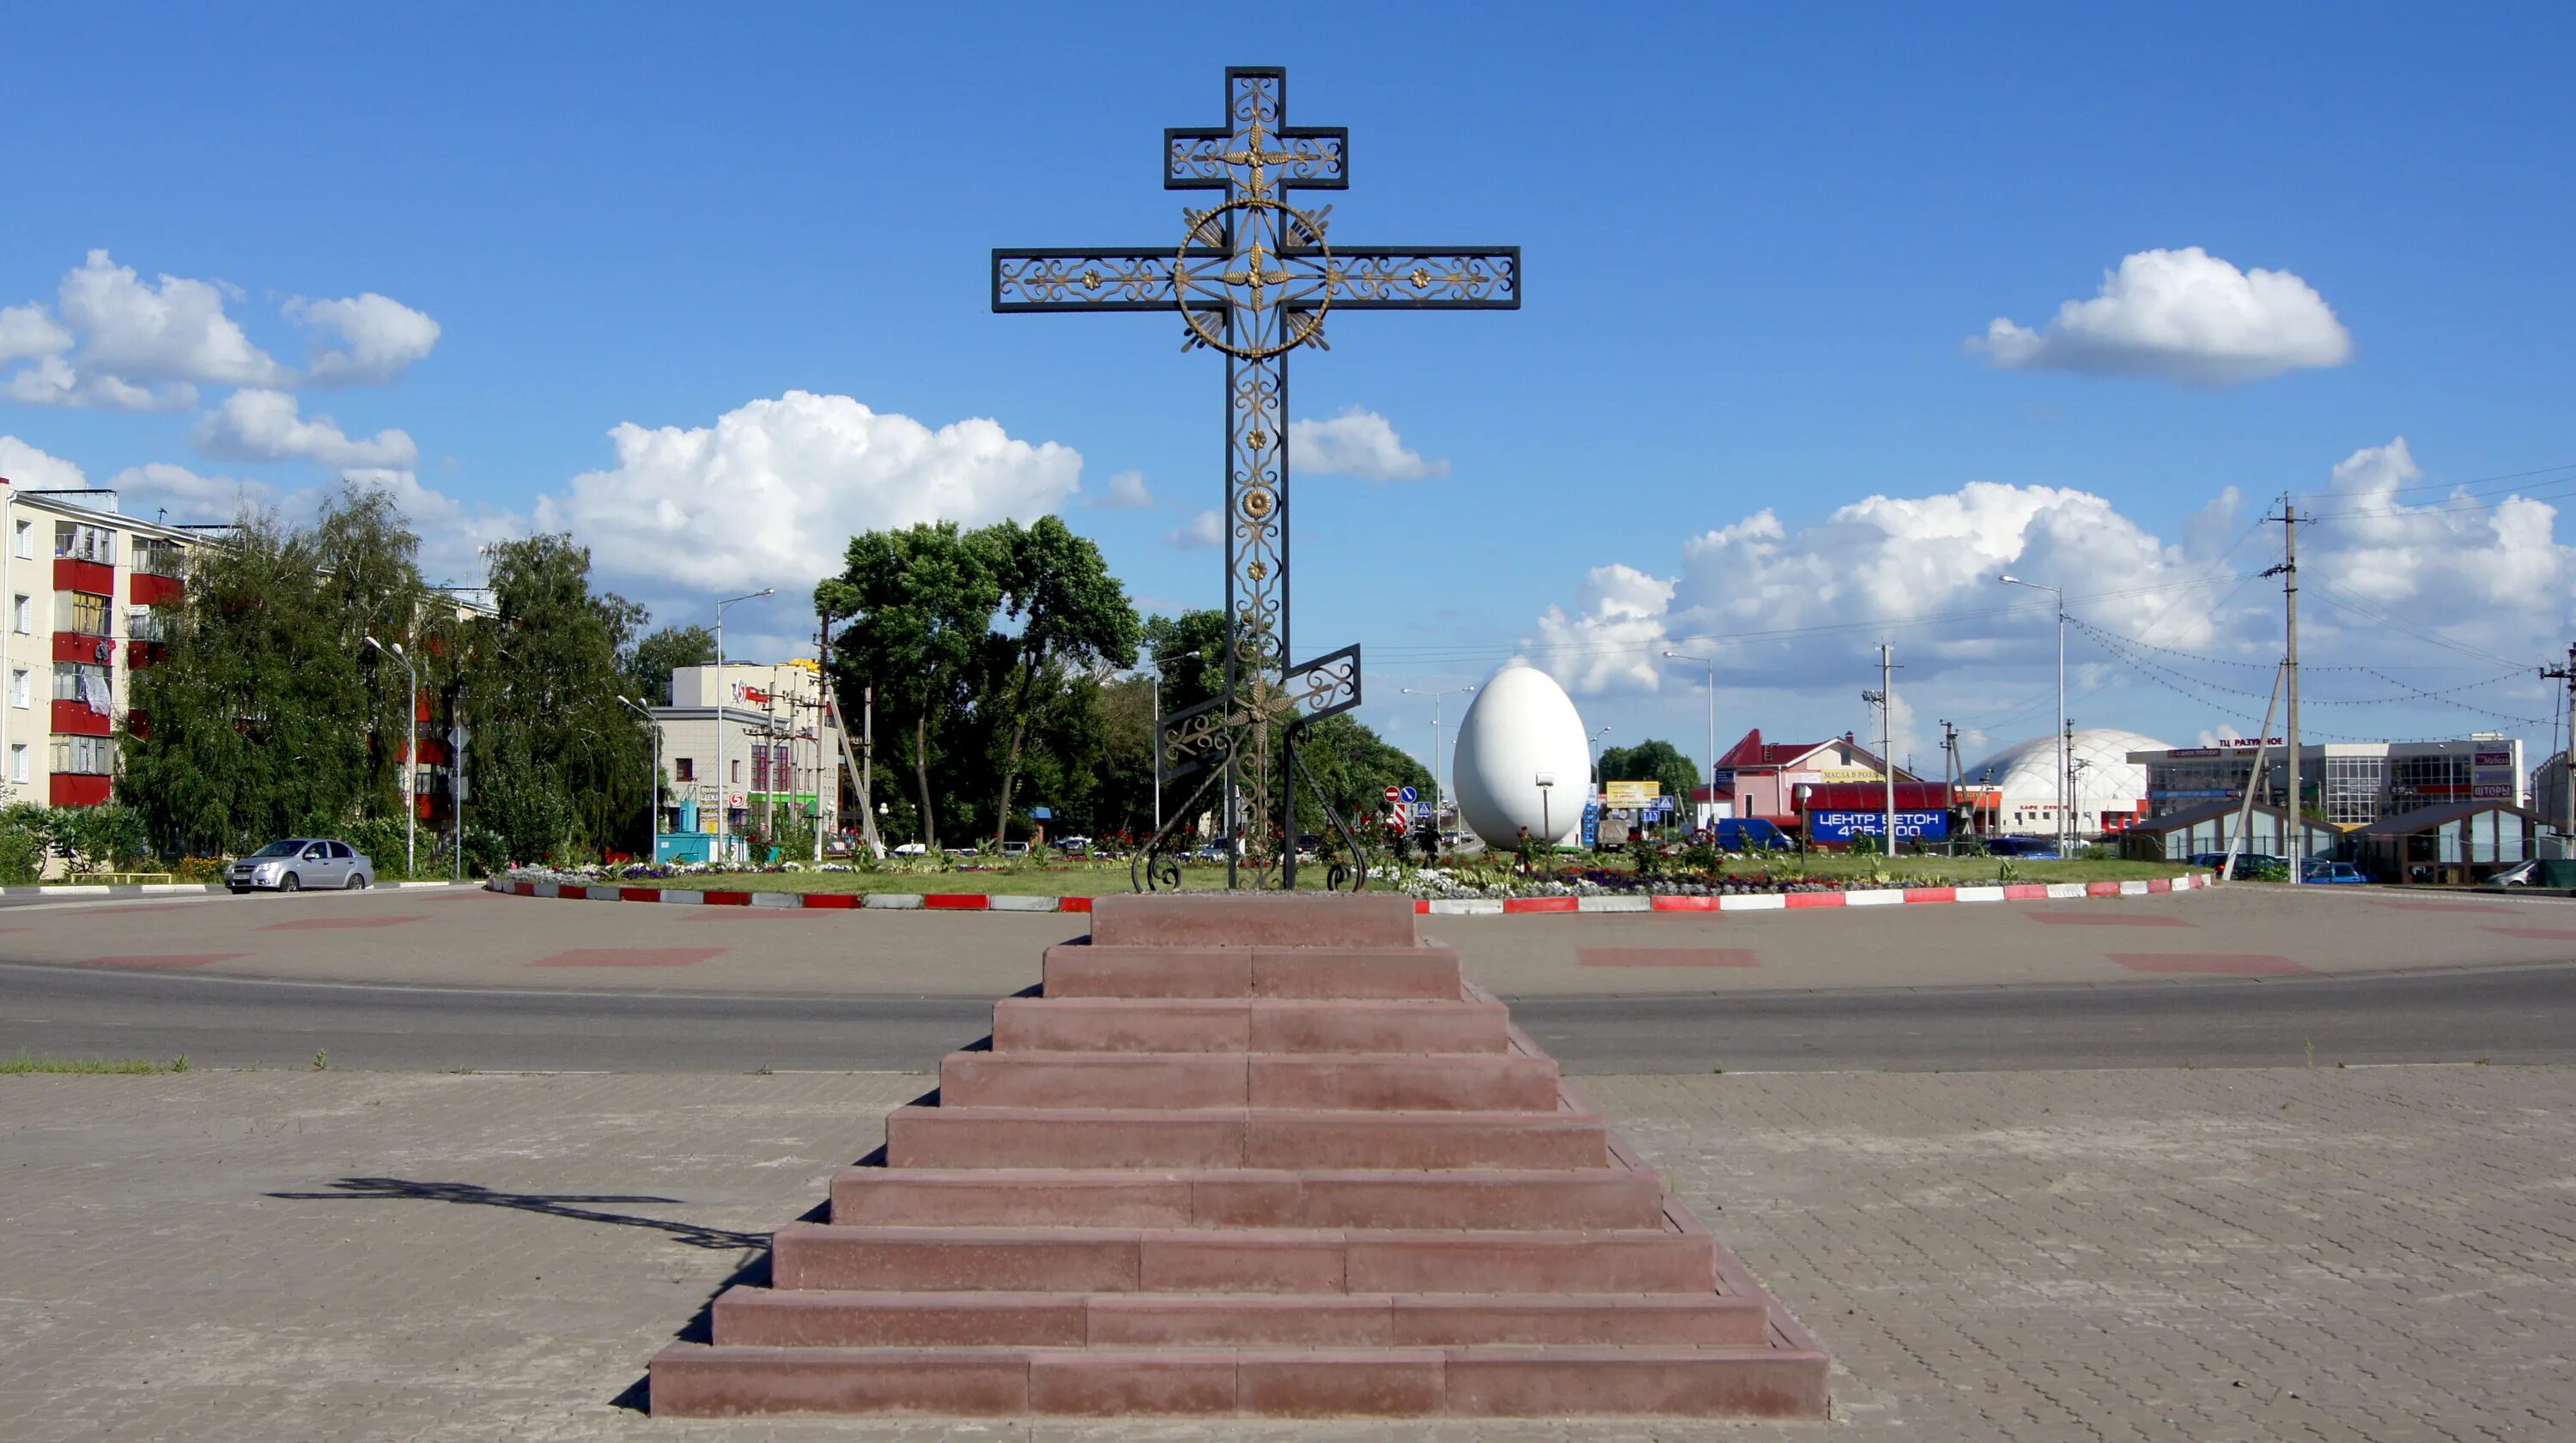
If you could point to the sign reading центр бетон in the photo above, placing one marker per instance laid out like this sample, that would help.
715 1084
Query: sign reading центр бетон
1910 826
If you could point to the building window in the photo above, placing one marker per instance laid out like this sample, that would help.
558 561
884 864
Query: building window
79 611
684 769
737 769
81 682
144 624
154 557
21 688
76 542
26 540
18 761
87 756
18 616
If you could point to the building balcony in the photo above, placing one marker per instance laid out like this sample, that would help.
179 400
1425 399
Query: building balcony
81 789
95 577
76 719
140 653
145 589
83 646
138 723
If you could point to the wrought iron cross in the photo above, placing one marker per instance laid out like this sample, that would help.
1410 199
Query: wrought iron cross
1254 277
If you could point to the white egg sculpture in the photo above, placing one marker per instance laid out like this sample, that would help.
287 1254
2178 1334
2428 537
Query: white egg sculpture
1522 727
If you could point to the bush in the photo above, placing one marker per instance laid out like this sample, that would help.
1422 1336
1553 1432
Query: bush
381 838
22 857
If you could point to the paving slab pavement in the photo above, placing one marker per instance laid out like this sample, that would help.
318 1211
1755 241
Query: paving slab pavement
2338 1254
471 938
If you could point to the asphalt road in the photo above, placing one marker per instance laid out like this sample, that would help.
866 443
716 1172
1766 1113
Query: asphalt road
2507 1015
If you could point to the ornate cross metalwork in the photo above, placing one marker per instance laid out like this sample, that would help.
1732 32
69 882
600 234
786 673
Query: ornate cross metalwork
1254 276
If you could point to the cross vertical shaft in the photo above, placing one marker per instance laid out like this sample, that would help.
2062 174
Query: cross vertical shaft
1254 277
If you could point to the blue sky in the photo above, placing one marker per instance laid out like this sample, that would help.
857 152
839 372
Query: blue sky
1757 243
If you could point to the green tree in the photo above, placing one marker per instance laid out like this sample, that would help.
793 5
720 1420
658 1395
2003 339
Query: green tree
1353 766
1653 761
649 666
254 722
1072 615
555 759
920 603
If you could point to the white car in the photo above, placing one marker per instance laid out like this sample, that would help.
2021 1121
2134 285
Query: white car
301 862
910 849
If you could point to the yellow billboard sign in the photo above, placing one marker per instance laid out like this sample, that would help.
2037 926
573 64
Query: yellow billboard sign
1631 794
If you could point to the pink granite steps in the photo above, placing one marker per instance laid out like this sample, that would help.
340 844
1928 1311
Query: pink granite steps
1248 1197
1767 1380
1249 1155
1368 1082
829 1318
1259 1260
1243 1024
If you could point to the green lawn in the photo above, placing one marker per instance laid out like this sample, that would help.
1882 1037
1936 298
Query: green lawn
24 1064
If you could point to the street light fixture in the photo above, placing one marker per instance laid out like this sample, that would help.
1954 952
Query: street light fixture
1436 698
411 753
1711 663
653 794
2058 734
724 779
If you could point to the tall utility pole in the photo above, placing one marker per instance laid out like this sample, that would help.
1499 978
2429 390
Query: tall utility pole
724 818
2253 781
1438 697
2066 783
2063 755
1887 735
2567 758
1949 787
2295 832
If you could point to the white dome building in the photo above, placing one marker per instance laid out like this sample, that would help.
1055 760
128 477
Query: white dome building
2106 781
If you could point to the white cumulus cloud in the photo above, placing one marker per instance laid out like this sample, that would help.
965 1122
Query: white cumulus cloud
53 381
1877 560
381 338
772 492
27 331
263 425
2180 315
30 469
1203 531
1357 443
1126 492
175 331
160 486
2487 569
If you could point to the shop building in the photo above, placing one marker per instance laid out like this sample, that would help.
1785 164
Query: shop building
751 742
2348 784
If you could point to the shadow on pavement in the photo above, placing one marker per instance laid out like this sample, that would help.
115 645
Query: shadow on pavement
560 1205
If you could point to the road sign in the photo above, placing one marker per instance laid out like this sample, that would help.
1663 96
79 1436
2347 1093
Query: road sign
1394 796
1410 795
1422 811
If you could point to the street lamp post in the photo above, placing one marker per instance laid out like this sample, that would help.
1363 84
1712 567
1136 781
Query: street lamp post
653 795
2058 735
1711 663
1436 698
411 751
724 780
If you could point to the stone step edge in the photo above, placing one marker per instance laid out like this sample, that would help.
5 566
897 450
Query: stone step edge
1422 906
1488 1380
1094 1319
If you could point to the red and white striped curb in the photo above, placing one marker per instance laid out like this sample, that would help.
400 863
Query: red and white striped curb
1438 907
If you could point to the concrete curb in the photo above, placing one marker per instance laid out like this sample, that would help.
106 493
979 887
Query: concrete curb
1435 907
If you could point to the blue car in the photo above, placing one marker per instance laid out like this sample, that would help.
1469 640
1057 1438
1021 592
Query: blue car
2332 874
